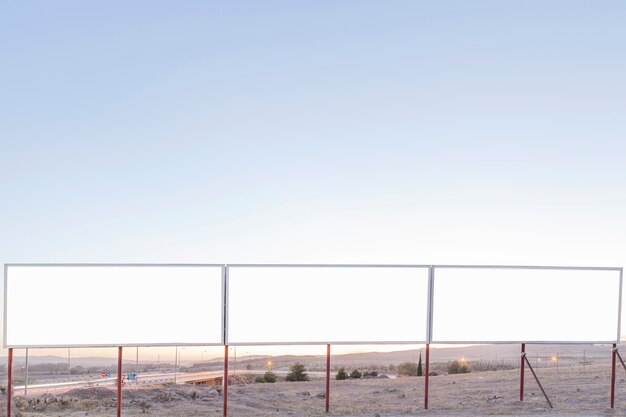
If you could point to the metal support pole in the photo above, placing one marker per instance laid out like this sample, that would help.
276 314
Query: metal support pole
175 365
615 354
521 372
538 383
613 357
9 381
119 381
225 382
426 376
328 377
26 376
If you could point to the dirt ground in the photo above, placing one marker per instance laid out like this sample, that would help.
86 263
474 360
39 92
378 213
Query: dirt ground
572 392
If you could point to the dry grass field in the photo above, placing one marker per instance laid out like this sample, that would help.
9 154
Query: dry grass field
572 391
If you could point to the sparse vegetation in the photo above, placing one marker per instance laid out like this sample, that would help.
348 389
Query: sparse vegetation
457 367
270 377
483 366
363 398
474 366
355 374
297 372
407 369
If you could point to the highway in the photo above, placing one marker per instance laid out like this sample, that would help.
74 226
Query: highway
143 379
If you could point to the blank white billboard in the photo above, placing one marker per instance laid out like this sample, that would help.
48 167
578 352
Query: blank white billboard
109 305
539 305
327 304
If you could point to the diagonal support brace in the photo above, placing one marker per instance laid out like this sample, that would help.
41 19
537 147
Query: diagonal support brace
536 379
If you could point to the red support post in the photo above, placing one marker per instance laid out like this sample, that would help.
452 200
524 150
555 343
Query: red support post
426 376
119 381
328 377
225 382
9 381
521 372
613 358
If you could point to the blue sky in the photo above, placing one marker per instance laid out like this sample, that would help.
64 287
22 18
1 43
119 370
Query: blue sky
366 132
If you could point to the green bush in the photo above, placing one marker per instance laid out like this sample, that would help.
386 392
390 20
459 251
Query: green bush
373 374
260 380
341 374
356 374
270 377
297 372
420 372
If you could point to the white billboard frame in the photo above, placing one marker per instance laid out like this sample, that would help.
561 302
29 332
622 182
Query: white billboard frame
533 342
224 297
113 265
331 342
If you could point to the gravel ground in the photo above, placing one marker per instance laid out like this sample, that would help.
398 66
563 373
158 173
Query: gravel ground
573 393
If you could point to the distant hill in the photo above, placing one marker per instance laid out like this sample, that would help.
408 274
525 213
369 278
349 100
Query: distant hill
443 354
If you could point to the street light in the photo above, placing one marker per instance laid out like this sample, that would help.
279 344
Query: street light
555 359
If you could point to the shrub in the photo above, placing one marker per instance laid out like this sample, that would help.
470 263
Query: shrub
270 377
297 372
341 374
457 368
260 380
420 372
407 369
482 366
356 374
373 374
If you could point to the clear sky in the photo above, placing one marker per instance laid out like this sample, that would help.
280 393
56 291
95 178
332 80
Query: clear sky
343 132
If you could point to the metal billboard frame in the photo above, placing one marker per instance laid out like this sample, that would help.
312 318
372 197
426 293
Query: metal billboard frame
346 343
112 265
534 342
225 302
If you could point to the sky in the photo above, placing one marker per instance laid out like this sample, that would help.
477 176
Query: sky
449 132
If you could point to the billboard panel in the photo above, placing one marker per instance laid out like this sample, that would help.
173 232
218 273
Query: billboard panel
532 304
327 304
113 305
